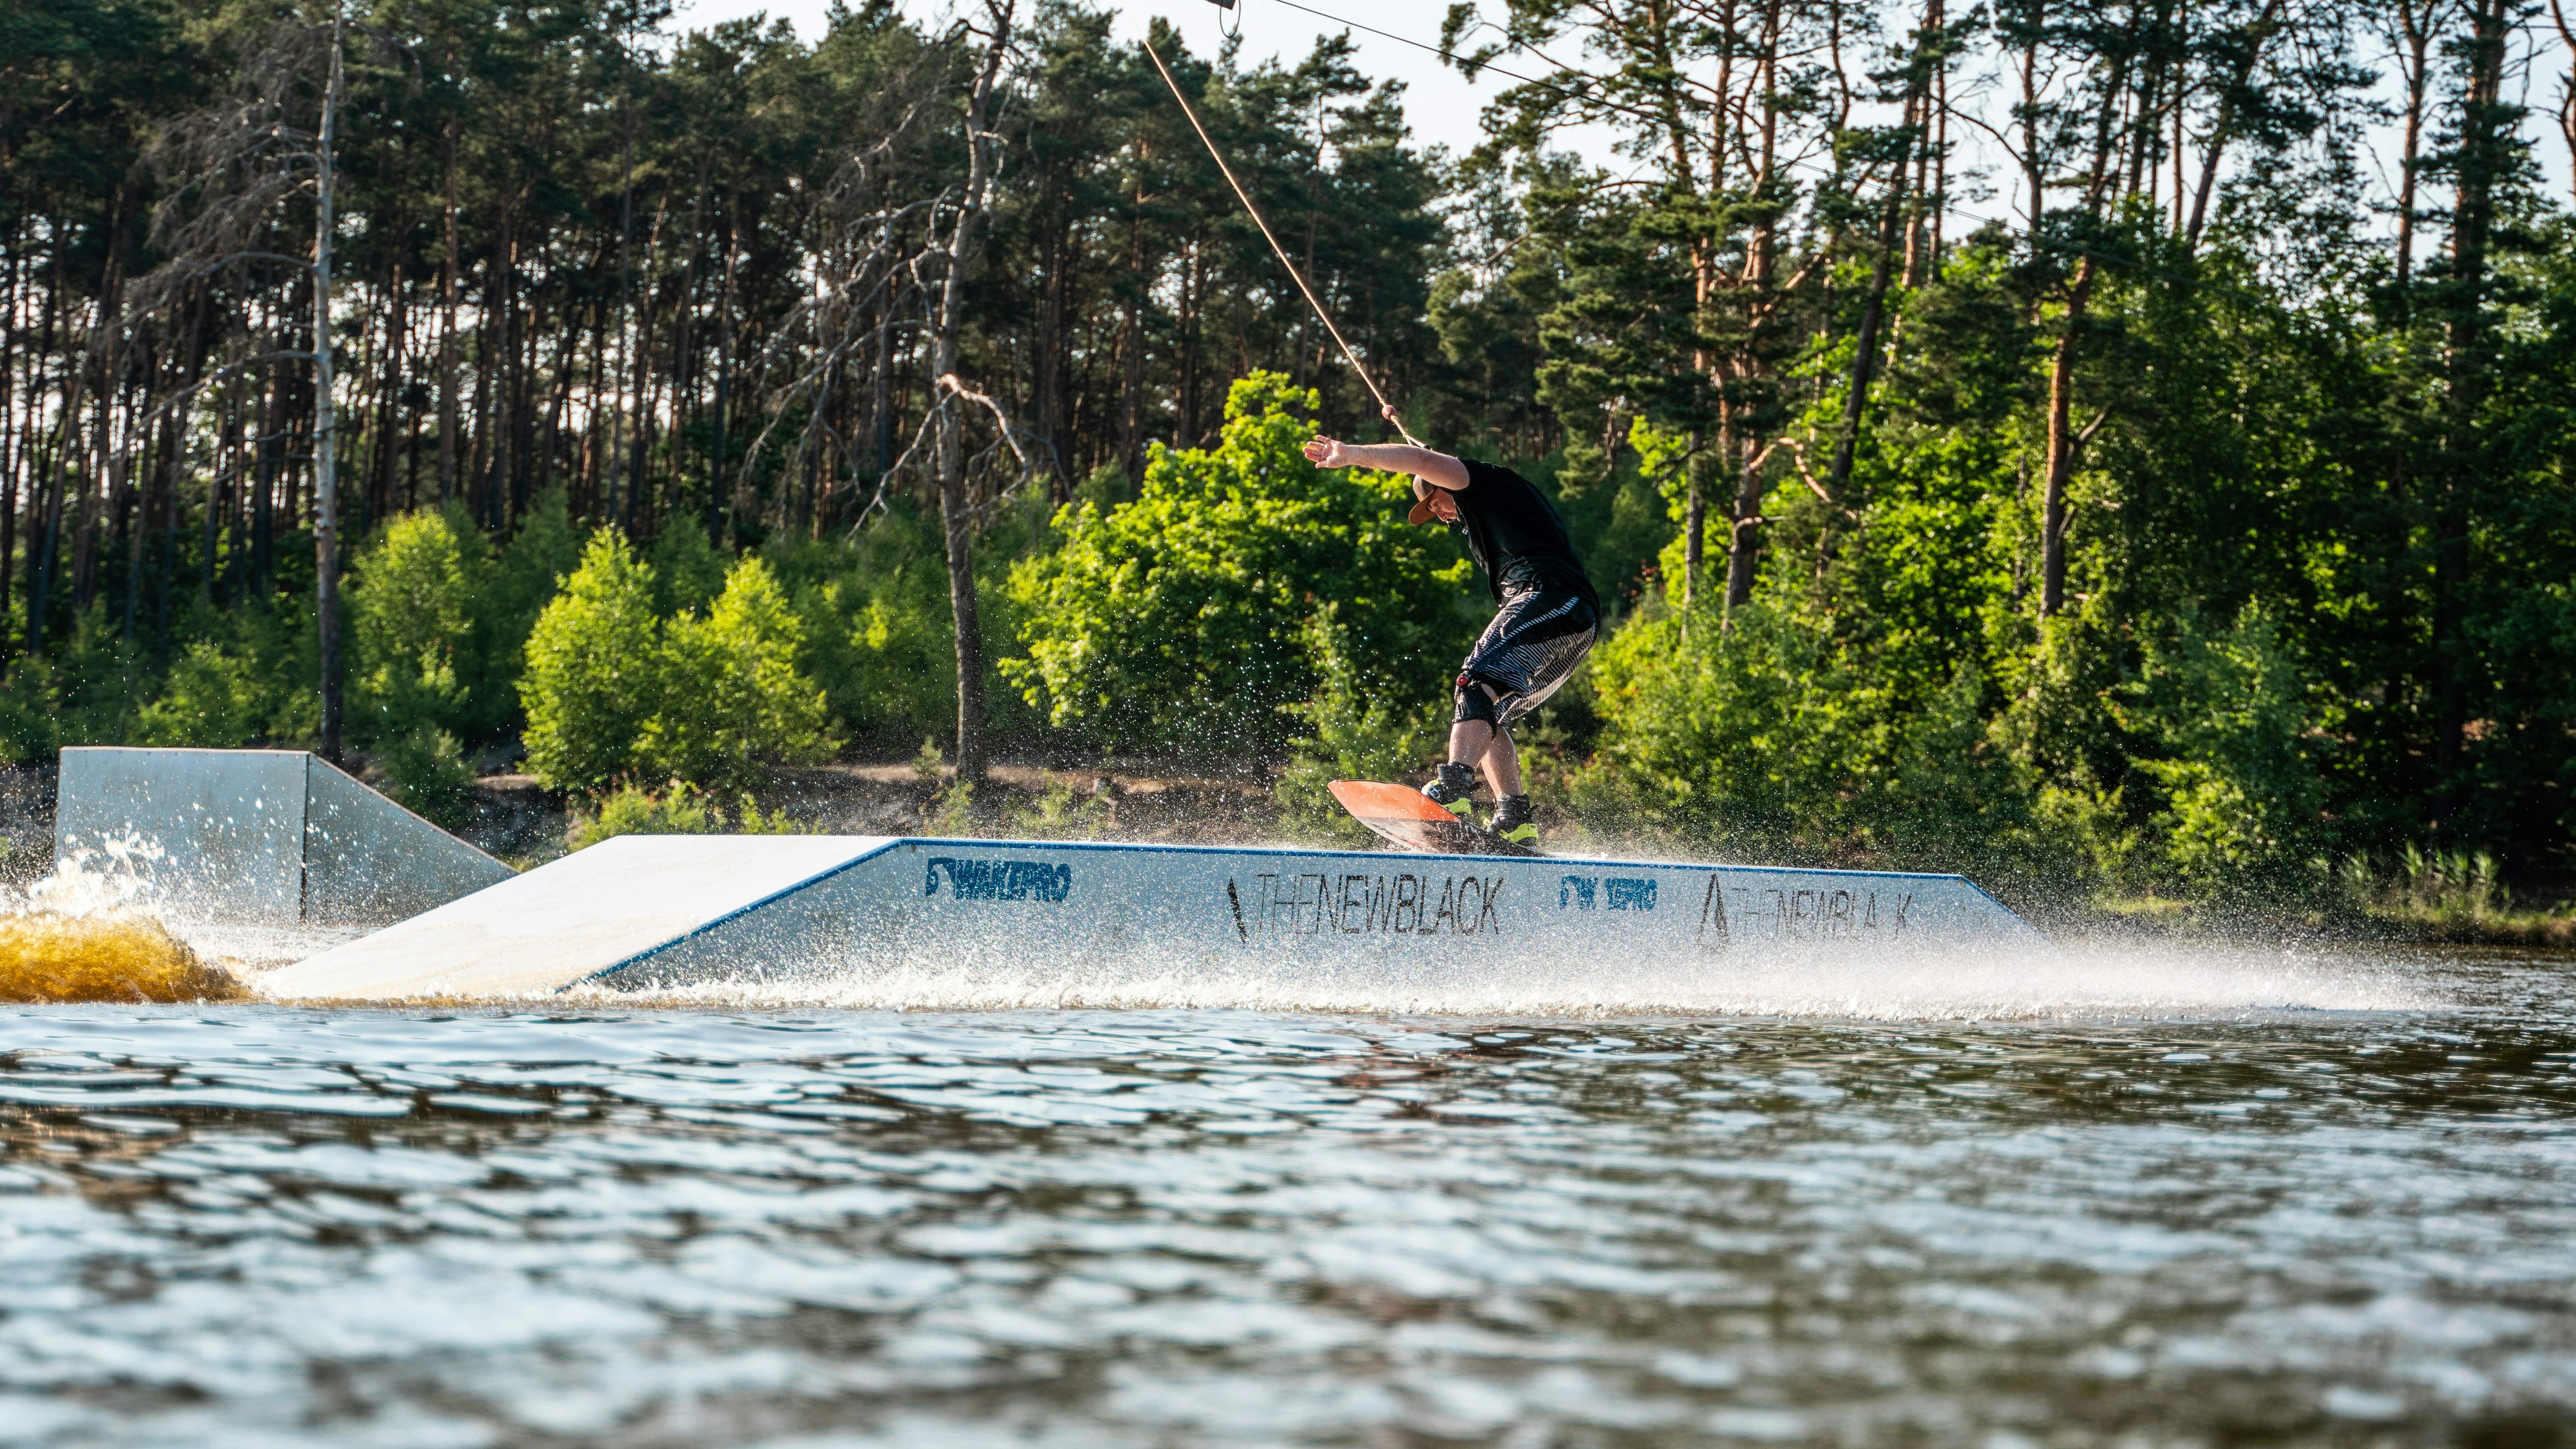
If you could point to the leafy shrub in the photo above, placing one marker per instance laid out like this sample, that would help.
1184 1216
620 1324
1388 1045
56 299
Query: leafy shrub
1179 619
1062 813
892 660
209 701
879 633
1957 796
101 680
929 763
687 571
594 677
254 680
27 730
953 815
633 810
733 702
681 809
749 821
1754 733
2226 716
612 691
411 603
527 573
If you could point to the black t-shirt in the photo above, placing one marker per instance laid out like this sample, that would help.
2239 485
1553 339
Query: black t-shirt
1514 535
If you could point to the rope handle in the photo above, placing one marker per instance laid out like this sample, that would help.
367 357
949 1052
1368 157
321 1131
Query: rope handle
1386 409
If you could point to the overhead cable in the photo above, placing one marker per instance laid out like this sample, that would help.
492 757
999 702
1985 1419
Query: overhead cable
1385 407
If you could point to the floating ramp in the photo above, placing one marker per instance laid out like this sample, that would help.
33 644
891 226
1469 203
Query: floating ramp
274 838
646 912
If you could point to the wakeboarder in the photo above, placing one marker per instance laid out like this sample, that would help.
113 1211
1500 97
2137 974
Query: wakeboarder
1545 620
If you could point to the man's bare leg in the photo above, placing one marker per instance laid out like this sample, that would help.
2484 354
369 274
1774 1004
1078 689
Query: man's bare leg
1503 765
1469 741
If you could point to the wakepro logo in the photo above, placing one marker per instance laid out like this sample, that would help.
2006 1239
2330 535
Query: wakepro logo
998 880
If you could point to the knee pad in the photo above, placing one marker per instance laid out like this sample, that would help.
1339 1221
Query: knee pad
1474 703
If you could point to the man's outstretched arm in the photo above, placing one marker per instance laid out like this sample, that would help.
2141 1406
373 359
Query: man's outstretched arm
1437 469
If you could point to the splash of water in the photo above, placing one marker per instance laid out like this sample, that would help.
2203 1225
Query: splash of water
85 933
120 874
125 956
2037 985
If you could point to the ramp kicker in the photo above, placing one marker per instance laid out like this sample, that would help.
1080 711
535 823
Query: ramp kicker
274 838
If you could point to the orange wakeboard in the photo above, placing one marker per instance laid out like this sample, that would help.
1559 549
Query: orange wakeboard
1401 814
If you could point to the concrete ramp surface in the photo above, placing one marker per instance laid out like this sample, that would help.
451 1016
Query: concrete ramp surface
261 837
650 912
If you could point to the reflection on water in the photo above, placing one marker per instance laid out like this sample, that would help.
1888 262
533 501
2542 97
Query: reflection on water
274 1226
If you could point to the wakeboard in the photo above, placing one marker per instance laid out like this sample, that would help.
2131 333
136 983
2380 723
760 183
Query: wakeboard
1403 816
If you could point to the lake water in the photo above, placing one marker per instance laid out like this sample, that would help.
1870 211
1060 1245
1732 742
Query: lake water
2269 1199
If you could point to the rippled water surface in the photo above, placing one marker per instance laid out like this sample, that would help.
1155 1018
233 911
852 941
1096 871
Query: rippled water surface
794 1226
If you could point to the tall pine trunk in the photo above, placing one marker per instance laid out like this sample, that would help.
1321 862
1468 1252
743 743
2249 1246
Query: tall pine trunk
1865 346
946 322
2062 445
326 473
449 421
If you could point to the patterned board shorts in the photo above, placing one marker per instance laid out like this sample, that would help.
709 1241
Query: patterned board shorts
1530 648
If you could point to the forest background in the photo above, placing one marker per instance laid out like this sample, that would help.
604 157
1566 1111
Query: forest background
692 402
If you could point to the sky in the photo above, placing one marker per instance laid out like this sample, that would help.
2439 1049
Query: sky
1442 106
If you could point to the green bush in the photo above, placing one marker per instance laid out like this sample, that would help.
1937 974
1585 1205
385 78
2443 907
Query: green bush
612 691
1956 796
878 626
688 573
525 576
411 602
209 701
886 648
101 679
2226 716
633 810
733 702
1178 620
28 734
749 821
271 649
681 809
1061 813
955 814
594 675
1755 734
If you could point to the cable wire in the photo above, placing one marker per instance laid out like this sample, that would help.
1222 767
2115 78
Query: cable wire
1387 409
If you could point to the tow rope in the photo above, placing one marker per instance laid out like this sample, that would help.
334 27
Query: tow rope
1387 408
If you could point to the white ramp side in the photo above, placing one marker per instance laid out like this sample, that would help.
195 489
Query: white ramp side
260 837
649 912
